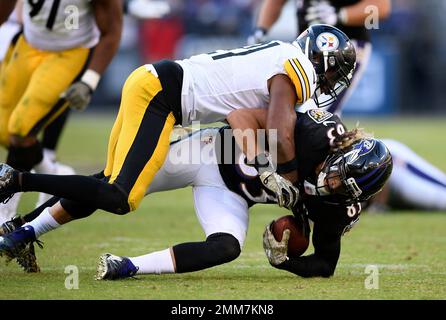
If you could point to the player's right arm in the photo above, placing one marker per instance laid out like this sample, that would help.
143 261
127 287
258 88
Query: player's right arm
6 8
282 118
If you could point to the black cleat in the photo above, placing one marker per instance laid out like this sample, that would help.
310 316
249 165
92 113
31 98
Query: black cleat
28 260
9 182
17 243
11 225
111 267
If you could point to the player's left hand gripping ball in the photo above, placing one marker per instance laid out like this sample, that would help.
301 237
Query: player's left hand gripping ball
275 251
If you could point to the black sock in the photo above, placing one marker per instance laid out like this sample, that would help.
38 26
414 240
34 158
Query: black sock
53 131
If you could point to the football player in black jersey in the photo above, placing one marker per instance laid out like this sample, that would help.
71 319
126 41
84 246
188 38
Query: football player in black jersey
350 16
337 169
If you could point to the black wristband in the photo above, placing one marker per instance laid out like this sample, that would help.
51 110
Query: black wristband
287 167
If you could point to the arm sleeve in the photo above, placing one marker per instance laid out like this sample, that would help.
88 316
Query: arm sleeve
322 263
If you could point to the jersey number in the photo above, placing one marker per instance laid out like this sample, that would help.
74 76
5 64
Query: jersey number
37 6
334 134
221 54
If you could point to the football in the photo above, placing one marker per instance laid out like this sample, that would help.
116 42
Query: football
298 242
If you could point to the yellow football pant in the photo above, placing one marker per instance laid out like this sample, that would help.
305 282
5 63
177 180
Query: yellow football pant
139 140
31 85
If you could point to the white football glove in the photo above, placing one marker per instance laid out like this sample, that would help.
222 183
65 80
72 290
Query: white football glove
287 194
78 95
321 12
145 9
259 35
275 251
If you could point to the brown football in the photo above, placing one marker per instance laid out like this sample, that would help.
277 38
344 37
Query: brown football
298 242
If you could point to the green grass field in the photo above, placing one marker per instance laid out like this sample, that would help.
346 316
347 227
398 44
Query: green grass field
407 247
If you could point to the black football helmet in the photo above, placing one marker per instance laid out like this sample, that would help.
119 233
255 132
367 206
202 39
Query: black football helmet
363 170
333 57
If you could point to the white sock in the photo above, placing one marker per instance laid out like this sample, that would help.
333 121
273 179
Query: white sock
47 165
9 209
156 262
50 154
43 223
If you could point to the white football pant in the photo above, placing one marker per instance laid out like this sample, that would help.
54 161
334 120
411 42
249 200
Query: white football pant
192 162
414 181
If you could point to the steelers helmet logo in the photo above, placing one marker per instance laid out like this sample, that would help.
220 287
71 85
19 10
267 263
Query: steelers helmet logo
327 41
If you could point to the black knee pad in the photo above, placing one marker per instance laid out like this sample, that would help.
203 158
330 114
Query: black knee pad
76 210
24 159
114 198
225 247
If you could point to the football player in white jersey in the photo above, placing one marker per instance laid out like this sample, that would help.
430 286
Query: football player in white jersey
274 76
57 61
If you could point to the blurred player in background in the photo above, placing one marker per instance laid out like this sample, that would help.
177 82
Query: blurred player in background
9 34
349 16
414 184
57 62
